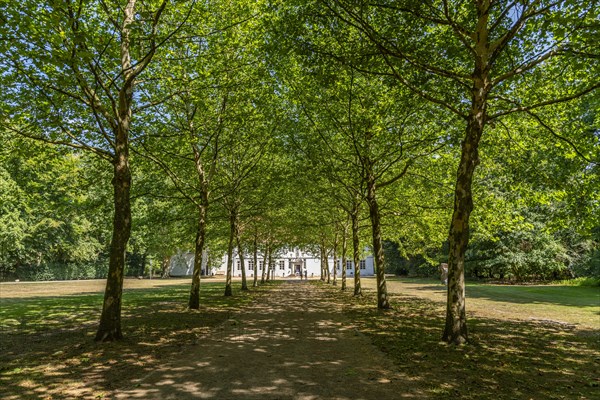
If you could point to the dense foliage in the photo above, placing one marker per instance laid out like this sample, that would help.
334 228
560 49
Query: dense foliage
427 132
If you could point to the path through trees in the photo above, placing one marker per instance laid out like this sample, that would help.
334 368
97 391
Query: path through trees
291 344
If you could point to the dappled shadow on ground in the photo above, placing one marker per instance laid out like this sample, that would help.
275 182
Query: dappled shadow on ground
290 345
286 343
291 341
505 359
47 349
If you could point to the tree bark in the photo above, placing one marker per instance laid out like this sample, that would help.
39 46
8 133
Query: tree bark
335 260
455 330
326 265
165 266
270 265
265 263
321 263
232 227
241 255
110 319
382 297
194 301
344 245
255 266
356 249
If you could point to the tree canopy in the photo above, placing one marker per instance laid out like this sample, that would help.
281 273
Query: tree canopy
434 131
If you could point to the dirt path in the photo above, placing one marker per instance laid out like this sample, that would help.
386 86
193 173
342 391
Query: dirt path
290 345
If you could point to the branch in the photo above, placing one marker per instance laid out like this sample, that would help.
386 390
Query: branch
543 103
564 139
78 145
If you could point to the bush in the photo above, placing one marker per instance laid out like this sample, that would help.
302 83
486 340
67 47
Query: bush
62 271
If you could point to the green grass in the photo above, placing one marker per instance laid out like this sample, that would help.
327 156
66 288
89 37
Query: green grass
577 305
30 315
572 296
505 359
46 342
581 282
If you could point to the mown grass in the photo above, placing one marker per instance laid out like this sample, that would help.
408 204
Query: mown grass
505 359
579 306
47 347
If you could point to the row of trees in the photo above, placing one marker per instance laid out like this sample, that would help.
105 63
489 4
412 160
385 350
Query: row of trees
264 124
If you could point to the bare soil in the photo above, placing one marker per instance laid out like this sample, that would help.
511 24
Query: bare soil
291 345
287 341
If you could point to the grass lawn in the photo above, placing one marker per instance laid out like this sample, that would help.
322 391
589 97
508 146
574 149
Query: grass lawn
570 305
527 342
47 331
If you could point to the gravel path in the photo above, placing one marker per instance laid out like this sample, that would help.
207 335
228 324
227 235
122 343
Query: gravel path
290 345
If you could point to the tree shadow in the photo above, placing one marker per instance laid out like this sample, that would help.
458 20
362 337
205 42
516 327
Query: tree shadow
504 359
289 344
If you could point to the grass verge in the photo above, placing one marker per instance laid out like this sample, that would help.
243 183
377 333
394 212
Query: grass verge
47 349
506 359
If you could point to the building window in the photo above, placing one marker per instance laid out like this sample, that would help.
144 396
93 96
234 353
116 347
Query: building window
363 264
251 264
282 265
260 265
348 264
239 265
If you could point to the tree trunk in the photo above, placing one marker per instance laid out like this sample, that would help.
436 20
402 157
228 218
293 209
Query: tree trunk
335 259
255 266
241 255
270 266
356 251
326 265
194 301
265 265
455 330
110 319
165 266
382 297
344 245
232 227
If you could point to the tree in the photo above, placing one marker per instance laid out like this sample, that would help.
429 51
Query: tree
478 61
76 68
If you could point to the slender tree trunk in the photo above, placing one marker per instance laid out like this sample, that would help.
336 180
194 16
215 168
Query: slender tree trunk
326 265
322 256
255 266
232 227
265 265
344 249
271 265
194 301
356 251
241 255
455 330
382 297
335 260
110 319
268 266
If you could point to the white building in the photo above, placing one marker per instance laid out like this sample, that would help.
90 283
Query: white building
287 263
182 264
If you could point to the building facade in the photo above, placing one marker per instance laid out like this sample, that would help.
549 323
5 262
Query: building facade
287 263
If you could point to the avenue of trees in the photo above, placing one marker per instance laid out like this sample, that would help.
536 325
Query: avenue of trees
428 132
